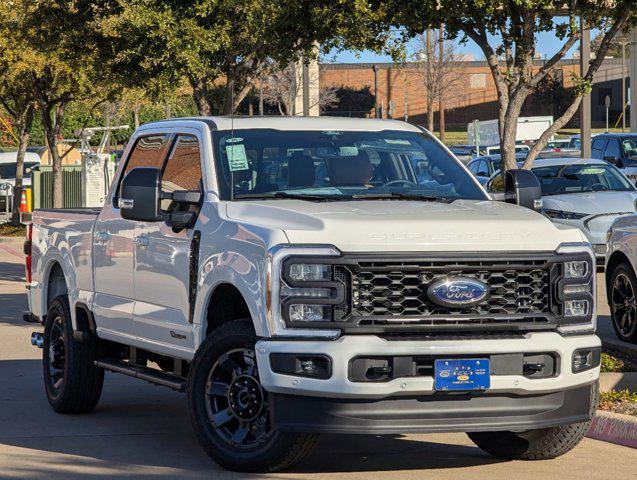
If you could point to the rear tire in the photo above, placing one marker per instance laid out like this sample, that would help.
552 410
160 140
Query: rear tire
72 382
541 444
229 409
623 302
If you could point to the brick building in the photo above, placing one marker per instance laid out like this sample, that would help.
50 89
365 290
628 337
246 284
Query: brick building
401 90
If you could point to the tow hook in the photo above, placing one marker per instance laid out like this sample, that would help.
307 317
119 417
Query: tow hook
37 339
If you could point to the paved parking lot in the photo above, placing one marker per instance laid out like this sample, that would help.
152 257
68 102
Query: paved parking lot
142 431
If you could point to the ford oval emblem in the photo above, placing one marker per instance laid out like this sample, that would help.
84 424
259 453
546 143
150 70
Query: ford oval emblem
458 292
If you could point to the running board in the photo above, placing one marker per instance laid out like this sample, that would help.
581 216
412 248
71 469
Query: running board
143 373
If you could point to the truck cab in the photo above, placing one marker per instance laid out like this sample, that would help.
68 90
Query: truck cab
298 276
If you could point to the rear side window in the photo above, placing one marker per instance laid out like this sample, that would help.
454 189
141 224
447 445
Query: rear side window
598 147
183 168
148 152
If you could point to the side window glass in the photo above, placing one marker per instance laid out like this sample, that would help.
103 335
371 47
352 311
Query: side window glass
473 167
183 169
148 152
496 184
612 150
598 147
483 169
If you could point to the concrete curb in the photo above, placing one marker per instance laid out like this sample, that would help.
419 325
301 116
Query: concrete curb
614 428
618 381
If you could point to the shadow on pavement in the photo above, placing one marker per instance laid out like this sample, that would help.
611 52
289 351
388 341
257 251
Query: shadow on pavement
142 430
12 272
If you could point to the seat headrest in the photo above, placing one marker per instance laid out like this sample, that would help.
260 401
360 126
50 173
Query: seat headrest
301 171
354 170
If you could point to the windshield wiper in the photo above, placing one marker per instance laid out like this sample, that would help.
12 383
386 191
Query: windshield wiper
287 195
404 196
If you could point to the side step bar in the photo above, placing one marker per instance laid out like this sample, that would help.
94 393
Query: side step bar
143 373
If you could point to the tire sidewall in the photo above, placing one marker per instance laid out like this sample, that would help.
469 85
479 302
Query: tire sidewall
626 270
59 308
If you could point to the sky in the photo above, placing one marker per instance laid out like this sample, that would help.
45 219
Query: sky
547 44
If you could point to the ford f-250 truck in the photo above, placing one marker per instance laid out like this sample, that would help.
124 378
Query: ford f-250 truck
296 276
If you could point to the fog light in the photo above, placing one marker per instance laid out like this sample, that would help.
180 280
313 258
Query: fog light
576 308
585 359
575 269
309 313
300 365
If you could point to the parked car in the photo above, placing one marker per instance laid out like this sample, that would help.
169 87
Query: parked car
621 282
465 153
559 143
585 193
620 149
297 276
8 167
484 167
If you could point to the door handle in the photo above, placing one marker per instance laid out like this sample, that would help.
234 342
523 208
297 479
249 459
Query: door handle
101 237
143 241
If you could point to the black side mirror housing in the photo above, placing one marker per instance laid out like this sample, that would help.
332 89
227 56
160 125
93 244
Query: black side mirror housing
523 188
140 194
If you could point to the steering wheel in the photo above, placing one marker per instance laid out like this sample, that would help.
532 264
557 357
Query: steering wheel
596 187
400 182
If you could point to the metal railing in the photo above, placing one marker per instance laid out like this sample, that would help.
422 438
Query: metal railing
42 184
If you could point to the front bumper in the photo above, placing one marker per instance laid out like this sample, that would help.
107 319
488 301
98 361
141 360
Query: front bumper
347 347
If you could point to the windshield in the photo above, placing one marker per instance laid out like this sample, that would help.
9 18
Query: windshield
8 170
338 165
559 179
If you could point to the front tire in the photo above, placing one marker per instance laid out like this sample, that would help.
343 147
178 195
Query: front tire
229 409
623 302
541 444
72 382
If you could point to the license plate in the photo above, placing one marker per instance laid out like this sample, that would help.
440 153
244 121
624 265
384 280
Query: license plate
466 374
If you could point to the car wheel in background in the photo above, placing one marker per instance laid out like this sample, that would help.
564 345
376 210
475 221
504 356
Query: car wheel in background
623 302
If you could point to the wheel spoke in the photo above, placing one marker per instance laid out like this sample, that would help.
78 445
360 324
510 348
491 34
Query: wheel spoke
241 433
219 389
230 366
221 418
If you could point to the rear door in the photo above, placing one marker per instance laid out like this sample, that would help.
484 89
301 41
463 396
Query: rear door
163 257
113 247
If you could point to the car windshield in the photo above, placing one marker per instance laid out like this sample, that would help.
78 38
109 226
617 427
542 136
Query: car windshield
8 170
338 165
560 179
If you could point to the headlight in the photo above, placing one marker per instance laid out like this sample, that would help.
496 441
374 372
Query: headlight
308 272
574 279
564 215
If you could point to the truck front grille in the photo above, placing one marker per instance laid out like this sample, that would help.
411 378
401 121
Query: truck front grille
393 292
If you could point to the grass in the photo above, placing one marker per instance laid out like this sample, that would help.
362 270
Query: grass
619 401
8 230
613 361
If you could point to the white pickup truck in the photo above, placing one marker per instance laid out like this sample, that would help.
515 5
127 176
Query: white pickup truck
296 276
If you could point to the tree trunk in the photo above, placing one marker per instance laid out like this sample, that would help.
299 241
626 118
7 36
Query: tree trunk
136 117
25 132
200 95
510 128
430 94
51 131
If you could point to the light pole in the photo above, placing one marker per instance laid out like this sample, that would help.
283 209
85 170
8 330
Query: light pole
623 43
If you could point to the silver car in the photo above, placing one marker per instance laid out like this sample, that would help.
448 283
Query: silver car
585 193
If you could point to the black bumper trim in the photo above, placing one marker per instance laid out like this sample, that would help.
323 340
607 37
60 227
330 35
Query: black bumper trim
435 413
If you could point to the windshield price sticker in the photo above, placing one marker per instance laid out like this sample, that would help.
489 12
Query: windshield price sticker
237 158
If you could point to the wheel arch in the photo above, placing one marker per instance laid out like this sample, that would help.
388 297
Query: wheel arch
617 257
225 303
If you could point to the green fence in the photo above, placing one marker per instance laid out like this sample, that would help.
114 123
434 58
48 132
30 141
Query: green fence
42 184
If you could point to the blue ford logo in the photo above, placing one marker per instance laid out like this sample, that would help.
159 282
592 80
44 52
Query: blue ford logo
458 292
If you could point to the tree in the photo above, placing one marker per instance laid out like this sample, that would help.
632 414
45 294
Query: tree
154 44
57 60
17 99
283 85
506 31
439 70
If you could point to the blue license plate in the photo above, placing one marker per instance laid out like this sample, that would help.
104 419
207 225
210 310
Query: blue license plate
469 374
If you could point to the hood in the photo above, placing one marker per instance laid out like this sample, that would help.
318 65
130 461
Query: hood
398 225
592 203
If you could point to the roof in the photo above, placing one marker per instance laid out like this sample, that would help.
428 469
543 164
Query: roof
551 162
617 134
294 123
11 157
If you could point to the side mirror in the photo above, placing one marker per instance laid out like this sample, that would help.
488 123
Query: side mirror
523 188
139 195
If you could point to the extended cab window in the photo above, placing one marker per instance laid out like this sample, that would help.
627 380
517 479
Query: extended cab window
183 168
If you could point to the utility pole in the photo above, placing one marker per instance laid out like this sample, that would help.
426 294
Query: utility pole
441 103
305 72
585 106
623 43
261 97
375 70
